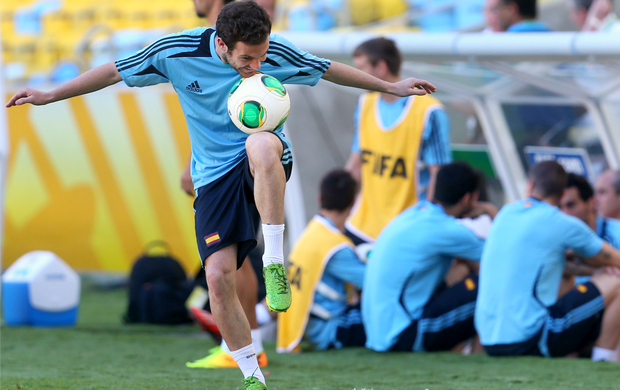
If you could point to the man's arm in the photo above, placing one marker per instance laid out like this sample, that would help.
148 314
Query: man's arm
430 189
187 184
342 74
608 256
91 81
354 166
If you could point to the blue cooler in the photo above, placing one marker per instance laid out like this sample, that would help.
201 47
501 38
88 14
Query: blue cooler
40 289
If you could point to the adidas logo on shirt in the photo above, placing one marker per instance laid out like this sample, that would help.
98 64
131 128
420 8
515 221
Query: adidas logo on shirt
194 87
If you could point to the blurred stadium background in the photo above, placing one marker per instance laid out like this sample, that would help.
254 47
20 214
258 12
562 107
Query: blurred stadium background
96 178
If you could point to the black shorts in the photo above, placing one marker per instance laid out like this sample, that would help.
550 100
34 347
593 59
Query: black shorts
225 212
447 320
350 331
573 323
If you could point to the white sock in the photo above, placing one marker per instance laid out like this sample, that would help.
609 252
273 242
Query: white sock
274 244
602 354
224 347
262 314
257 341
246 359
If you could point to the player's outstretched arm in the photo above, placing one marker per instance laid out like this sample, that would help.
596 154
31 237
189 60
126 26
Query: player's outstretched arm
347 75
91 81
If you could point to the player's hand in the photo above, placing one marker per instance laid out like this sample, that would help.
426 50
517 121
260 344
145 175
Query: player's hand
412 86
28 95
186 183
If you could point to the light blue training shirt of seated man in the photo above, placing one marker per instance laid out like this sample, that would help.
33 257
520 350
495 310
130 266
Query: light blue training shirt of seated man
342 267
522 266
408 263
435 149
609 230
203 81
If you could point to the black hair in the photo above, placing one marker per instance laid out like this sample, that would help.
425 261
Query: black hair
527 8
378 49
581 184
243 21
338 189
549 178
583 4
454 181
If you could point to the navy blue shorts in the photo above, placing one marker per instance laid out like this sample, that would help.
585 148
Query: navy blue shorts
573 323
225 212
350 331
447 320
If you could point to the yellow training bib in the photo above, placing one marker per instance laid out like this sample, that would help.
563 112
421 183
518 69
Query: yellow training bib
389 156
317 244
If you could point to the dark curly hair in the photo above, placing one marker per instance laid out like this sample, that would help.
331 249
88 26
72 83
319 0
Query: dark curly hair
243 21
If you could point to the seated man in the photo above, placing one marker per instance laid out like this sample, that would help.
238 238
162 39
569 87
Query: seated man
321 265
578 201
518 312
403 305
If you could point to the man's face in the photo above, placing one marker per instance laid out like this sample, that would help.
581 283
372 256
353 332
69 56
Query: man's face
507 14
577 14
572 204
607 200
245 58
203 7
491 15
362 62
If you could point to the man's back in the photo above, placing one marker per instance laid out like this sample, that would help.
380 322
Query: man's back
408 263
521 268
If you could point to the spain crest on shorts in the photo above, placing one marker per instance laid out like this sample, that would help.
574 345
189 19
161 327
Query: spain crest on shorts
212 239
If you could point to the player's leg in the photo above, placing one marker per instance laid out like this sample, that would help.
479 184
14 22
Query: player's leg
448 319
609 287
247 291
574 321
221 270
266 156
350 332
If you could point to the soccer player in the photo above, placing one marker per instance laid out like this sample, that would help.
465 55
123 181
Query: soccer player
392 135
404 305
518 312
607 194
247 283
578 201
230 169
520 16
322 264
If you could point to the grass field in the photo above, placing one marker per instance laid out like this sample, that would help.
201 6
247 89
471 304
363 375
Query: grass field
101 353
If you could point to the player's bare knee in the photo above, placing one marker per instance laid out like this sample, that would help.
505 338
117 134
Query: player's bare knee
263 149
608 285
219 280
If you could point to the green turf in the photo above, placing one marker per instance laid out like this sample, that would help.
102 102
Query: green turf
101 353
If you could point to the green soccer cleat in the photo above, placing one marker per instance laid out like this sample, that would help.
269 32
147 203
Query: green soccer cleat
252 383
277 286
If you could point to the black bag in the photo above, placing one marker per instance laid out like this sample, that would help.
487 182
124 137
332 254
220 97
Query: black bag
158 289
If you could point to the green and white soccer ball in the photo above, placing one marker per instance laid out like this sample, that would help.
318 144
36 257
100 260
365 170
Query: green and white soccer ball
258 103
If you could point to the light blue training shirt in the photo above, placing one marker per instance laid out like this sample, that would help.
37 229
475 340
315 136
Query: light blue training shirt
189 62
343 267
609 230
409 261
435 149
522 266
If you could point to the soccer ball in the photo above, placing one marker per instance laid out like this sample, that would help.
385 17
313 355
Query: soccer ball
258 103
